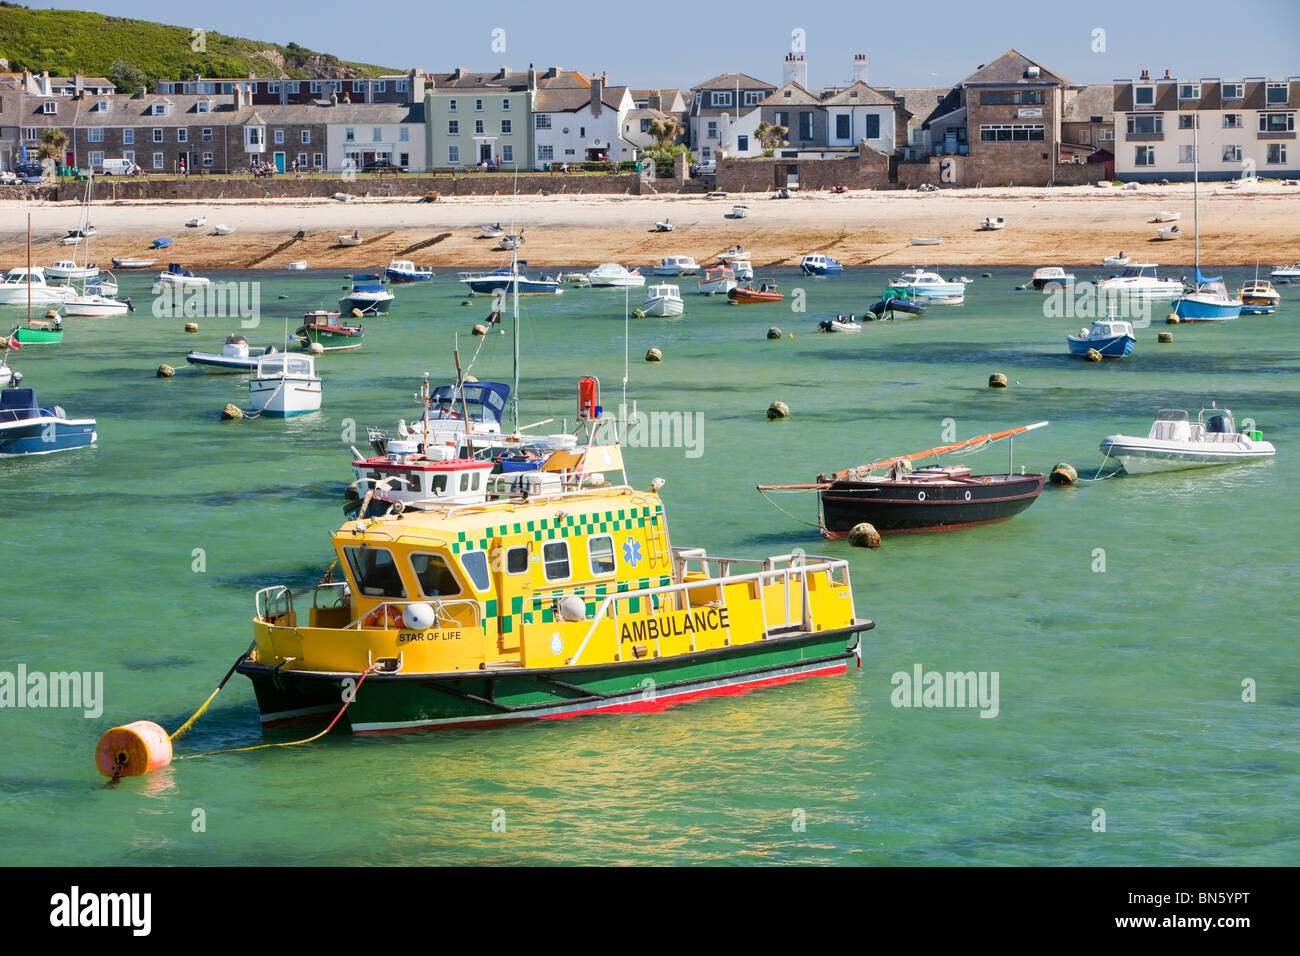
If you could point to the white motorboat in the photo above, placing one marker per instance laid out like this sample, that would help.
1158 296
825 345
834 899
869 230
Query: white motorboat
235 356
352 240
926 240
196 222
132 262
743 268
676 266
103 284
20 283
285 384
932 286
735 254
1166 216
663 225
580 279
510 240
1109 338
716 280
1116 262
299 266
1175 443
493 231
221 229
1286 272
663 300
175 277
404 270
1166 233
68 269
1140 279
613 274
92 305
1051 277
840 324
991 225
74 236
366 296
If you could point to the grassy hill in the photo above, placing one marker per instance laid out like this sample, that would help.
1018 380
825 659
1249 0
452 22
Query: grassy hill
131 51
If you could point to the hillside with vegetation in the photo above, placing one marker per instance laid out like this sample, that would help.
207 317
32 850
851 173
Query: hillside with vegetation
131 52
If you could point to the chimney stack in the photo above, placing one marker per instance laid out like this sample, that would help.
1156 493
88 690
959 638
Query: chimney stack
532 78
597 94
78 86
795 70
1167 76
859 68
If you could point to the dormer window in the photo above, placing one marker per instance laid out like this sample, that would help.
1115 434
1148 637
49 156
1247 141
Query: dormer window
853 95
721 99
161 109
1233 91
203 106
1276 94
1144 96
1189 91
102 106
51 108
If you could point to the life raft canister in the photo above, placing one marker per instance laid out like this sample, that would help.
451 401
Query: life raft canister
588 398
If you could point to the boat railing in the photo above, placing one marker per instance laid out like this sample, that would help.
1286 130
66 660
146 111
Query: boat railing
443 618
340 589
272 604
787 576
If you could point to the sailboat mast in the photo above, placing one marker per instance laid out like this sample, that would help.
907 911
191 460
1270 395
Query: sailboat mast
29 269
514 281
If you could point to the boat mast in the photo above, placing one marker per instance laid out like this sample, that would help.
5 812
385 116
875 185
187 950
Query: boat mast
29 271
514 281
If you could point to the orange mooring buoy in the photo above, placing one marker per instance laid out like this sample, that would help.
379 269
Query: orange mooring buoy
133 750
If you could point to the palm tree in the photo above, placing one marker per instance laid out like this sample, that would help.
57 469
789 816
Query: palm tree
53 142
665 133
770 136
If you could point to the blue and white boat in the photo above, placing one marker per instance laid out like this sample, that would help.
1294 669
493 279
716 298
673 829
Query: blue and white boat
368 296
1111 337
1210 302
404 270
932 286
816 264
28 429
235 356
510 279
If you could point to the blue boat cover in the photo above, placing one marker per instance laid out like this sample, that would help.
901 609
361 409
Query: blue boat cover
18 403
484 399
161 243
1201 280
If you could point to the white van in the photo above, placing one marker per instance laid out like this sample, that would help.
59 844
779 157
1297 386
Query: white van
118 167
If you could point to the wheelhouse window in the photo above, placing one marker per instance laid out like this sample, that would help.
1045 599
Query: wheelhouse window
375 572
555 560
435 577
517 560
475 564
600 554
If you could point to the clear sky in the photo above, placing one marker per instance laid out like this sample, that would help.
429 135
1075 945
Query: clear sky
907 42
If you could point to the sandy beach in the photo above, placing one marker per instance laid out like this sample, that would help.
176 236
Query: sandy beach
1063 225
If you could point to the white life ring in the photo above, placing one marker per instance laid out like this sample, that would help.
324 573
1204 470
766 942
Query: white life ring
968 496
920 496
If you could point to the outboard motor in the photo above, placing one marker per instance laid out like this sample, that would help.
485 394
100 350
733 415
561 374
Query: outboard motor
129 306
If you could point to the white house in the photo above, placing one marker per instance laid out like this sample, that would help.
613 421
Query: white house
581 125
724 115
360 134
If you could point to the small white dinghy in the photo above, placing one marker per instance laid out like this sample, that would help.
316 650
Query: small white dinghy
840 324
990 224
664 226
1175 443
926 240
662 300
196 222
221 229
299 266
285 384
1116 262
352 240
493 231
1166 233
1166 216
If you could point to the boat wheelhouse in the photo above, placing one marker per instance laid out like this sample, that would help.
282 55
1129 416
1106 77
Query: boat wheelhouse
540 605
932 287
66 269
404 270
367 296
21 285
1111 338
677 266
613 274
283 385
1259 298
1052 277
663 300
817 264
1141 279
329 332
717 279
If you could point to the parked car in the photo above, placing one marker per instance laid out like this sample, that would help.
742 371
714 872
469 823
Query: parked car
705 169
381 166
30 172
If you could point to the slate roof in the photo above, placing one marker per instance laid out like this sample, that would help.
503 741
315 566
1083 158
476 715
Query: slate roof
1010 68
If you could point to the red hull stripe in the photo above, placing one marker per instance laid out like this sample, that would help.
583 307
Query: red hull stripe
661 701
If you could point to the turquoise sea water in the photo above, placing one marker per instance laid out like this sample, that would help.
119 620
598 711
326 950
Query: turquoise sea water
1120 690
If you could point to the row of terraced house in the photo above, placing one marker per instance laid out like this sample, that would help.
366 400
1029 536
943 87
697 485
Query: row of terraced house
1011 121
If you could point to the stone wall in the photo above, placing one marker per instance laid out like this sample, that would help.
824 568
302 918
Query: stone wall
868 169
1078 174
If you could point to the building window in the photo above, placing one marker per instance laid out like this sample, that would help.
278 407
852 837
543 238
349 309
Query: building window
507 153
505 127
752 97
273 86
1189 91
31 133
720 98
742 144
542 121
842 126
1276 94
207 134
1011 97
336 86
293 86
401 86
1144 96
505 106
1146 124
95 134
713 130
254 137
302 160
207 159
349 135
128 137
1232 154
306 136
645 125
451 106
1234 121
128 155
404 135
157 160
161 109
279 137
51 108
781 118
1276 154
453 127
478 127
1105 135
1277 122
318 160
1233 91
1187 121
1145 156
453 155
157 135
1012 132
377 134
806 124
545 152
96 158
1187 154
315 87
358 86
381 86
182 134
203 106
478 106
873 126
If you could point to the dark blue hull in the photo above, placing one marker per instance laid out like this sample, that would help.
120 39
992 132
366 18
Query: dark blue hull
43 436
1116 346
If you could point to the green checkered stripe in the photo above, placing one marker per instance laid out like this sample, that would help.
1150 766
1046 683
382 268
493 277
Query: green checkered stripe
548 529
592 595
